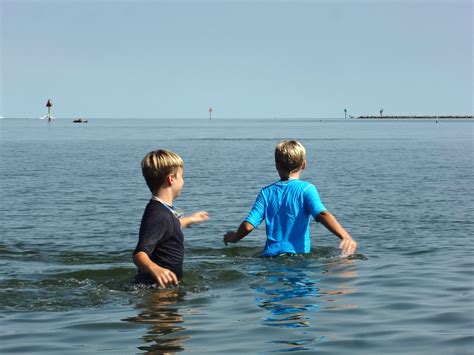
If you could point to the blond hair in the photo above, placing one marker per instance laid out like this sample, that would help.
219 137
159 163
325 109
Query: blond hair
289 157
157 165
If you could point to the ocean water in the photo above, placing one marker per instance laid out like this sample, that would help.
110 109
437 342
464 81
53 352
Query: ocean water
72 197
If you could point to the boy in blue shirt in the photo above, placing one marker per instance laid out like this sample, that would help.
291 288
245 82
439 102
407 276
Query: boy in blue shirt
287 206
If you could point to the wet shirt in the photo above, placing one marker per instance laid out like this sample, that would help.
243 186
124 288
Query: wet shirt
161 238
286 207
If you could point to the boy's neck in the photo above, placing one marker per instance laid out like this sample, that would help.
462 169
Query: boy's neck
165 195
292 176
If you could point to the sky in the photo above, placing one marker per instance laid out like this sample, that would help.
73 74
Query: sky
243 58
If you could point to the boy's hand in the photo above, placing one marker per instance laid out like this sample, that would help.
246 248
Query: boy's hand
164 276
229 237
199 217
348 246
233 237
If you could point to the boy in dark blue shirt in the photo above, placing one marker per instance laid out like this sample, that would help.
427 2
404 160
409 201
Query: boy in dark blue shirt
160 250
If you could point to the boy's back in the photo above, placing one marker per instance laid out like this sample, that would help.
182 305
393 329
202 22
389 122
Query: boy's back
286 207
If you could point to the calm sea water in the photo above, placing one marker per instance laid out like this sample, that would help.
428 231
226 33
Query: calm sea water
72 199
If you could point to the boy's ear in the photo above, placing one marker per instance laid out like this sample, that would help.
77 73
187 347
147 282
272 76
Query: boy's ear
170 179
303 166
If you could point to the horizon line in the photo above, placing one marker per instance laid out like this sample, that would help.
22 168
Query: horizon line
253 118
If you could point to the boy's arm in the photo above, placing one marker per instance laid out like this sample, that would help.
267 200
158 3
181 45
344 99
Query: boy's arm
347 245
197 217
164 276
254 218
233 237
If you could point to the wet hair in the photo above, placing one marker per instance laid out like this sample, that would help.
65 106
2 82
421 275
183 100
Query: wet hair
289 157
157 165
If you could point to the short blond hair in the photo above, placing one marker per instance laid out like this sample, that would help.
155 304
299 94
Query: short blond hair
289 157
157 165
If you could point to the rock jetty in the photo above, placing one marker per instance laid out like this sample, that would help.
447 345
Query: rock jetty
412 117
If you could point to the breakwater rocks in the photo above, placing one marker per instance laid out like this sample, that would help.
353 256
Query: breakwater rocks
455 117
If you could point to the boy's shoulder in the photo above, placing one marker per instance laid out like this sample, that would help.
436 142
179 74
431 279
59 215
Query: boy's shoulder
154 205
156 210
270 186
157 216
296 183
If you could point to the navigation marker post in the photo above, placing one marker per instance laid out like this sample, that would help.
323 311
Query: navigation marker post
210 113
49 104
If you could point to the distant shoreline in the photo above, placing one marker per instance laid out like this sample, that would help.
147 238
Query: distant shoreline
416 117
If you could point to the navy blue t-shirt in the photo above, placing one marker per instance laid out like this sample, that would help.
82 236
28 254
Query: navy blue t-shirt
162 239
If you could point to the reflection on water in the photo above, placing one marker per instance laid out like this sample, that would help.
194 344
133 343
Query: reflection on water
287 294
159 310
345 271
296 294
293 297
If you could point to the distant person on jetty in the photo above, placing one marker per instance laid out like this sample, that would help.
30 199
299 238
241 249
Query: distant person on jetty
287 206
160 250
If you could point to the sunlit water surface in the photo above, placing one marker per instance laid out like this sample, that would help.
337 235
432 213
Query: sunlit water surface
72 199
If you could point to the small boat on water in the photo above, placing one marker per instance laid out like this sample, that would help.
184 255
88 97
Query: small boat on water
79 120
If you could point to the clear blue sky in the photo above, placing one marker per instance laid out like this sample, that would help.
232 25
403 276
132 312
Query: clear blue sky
246 59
